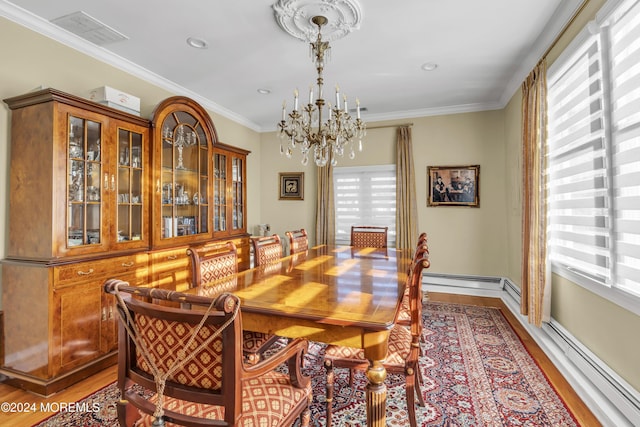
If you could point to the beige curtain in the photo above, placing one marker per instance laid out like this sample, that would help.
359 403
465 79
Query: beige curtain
406 207
536 286
325 207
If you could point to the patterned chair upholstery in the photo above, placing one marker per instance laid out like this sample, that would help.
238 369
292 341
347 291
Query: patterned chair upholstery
298 241
366 236
266 249
210 382
211 264
402 356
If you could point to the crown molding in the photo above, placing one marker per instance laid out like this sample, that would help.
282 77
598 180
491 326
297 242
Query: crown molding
554 28
35 23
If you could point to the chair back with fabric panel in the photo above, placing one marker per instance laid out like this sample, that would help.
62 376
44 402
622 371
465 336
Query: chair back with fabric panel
298 241
367 236
202 361
212 262
209 376
266 249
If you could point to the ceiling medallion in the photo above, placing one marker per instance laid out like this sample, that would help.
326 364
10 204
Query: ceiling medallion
294 17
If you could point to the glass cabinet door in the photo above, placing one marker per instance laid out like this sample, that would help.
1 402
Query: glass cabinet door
237 185
184 176
220 193
84 183
129 186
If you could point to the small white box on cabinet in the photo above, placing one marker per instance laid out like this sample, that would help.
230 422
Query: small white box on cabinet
116 98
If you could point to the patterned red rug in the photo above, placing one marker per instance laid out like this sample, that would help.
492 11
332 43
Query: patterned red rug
476 372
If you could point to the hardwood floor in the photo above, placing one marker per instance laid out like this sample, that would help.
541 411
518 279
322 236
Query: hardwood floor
95 382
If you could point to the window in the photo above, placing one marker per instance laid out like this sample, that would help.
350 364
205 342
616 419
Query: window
594 156
365 195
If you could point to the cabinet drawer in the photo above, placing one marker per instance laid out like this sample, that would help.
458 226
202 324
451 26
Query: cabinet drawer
100 268
170 260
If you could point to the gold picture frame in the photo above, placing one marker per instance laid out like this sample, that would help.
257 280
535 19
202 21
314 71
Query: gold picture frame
291 186
453 186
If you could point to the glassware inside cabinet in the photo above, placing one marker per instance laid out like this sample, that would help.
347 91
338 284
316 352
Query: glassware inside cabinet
185 172
129 188
84 182
237 194
220 186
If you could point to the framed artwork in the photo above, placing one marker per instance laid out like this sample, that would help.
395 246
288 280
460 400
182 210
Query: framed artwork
291 186
453 186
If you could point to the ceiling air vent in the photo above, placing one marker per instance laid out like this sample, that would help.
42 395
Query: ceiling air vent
89 28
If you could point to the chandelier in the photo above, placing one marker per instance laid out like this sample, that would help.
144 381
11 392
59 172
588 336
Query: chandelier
305 128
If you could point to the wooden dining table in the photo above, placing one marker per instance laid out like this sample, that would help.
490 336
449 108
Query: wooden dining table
331 294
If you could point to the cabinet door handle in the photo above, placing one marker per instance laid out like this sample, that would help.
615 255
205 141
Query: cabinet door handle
158 186
128 264
113 182
110 313
85 273
104 314
106 181
172 257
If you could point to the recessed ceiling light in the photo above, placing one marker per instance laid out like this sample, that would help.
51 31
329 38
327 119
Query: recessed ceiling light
197 43
264 91
429 66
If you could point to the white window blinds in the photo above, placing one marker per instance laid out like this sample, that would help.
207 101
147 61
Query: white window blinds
594 153
624 35
578 226
365 195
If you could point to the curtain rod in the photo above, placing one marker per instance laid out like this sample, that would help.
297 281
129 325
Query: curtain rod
566 27
390 126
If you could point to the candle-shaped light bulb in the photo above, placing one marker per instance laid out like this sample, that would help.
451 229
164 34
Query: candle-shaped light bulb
284 110
337 97
310 94
358 106
329 108
346 110
295 100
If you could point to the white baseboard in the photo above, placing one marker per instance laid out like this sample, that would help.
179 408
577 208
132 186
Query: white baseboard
611 399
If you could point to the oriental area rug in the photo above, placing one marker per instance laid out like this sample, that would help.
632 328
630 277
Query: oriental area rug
475 370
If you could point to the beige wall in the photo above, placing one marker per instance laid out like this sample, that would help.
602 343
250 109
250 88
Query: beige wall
513 186
468 240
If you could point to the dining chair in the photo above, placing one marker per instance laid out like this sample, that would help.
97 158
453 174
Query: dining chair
402 356
367 236
210 264
404 313
298 241
266 249
186 369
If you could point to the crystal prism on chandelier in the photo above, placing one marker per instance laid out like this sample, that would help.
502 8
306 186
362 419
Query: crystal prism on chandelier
324 140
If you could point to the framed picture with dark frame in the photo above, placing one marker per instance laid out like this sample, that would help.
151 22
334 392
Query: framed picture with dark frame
291 186
453 186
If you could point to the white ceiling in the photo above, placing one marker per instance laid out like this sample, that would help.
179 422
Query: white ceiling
484 50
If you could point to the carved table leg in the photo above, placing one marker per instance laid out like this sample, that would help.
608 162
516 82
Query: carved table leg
376 395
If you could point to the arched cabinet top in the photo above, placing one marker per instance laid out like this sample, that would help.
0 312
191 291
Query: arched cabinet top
176 104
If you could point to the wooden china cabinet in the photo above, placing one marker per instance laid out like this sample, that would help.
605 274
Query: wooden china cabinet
87 203
186 177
